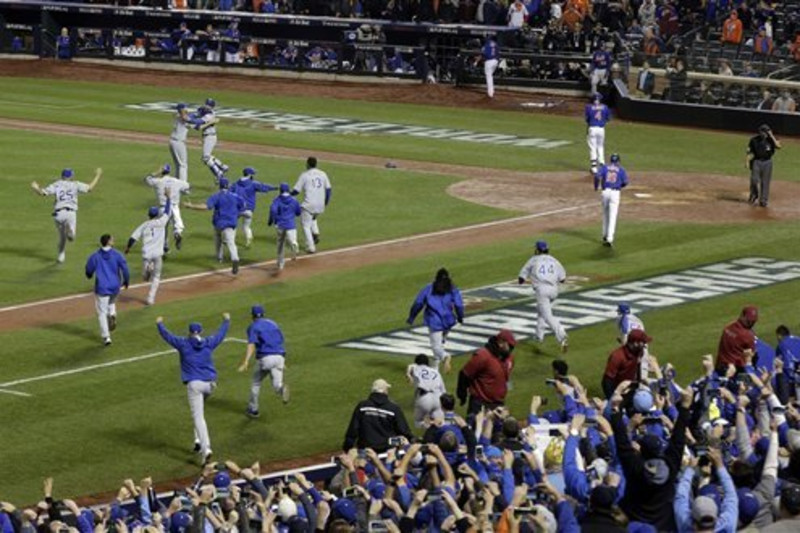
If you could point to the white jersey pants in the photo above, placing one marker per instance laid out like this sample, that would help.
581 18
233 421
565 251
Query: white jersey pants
426 405
437 339
151 271
177 219
286 236
209 142
227 237
197 392
268 365
247 222
545 296
610 202
180 158
596 139
105 305
310 228
599 76
489 66
233 57
66 222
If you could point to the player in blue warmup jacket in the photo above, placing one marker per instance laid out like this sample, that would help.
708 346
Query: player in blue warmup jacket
491 57
247 187
597 116
110 271
198 373
788 351
283 214
265 341
600 65
226 207
443 307
610 180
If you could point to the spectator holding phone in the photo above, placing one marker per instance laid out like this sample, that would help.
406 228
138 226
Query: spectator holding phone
375 420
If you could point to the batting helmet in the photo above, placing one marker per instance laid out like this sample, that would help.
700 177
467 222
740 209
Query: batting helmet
67 173
615 158
623 309
541 246
210 102
249 171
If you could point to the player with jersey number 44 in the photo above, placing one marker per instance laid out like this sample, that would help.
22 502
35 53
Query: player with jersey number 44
546 274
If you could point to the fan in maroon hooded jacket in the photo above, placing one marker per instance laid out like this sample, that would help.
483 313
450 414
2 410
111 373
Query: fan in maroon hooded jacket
737 337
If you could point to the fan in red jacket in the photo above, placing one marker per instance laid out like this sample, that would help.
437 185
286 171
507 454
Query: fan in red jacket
737 337
487 373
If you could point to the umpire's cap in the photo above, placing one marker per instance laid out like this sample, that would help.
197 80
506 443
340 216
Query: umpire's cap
249 171
615 158
541 246
67 173
257 311
210 102
195 327
623 308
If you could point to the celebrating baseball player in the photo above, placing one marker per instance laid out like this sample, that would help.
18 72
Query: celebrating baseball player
177 141
491 56
610 179
152 233
265 340
428 388
546 274
161 182
65 209
247 188
597 116
282 213
197 373
226 207
760 150
207 124
443 307
316 189
110 271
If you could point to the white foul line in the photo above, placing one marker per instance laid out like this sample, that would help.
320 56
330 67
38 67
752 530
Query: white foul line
89 368
337 251
15 393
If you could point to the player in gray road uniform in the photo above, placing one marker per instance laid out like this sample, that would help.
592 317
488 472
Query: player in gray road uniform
316 189
65 210
208 126
428 388
152 233
161 181
546 274
177 142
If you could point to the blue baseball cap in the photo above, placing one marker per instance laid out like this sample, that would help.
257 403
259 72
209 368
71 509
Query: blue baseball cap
642 401
542 246
179 522
222 480
345 508
67 173
597 97
167 168
210 102
284 187
223 183
195 327
748 506
181 105
249 171
623 309
257 310
376 488
492 452
152 212
615 158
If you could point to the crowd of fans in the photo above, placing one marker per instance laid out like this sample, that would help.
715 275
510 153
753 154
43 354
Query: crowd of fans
720 453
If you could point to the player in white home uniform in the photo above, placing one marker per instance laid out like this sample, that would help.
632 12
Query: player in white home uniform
152 233
177 142
316 189
208 126
161 181
546 273
65 209
428 388
627 322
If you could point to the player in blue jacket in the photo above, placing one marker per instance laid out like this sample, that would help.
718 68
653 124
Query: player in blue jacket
265 340
491 56
597 116
600 65
226 207
197 373
788 351
443 307
110 271
610 179
247 188
282 213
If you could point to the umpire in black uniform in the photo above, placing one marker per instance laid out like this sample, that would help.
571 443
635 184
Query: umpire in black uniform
759 160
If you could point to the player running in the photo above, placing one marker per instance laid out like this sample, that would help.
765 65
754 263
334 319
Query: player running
206 122
316 189
247 188
65 209
152 233
161 181
597 116
546 274
282 213
610 179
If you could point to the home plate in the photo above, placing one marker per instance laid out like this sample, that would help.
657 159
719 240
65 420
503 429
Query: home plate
642 195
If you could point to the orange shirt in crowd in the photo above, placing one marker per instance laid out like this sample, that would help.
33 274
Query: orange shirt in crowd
732 29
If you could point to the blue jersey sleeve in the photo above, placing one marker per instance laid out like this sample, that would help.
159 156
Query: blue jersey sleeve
91 266
123 267
252 334
219 336
212 201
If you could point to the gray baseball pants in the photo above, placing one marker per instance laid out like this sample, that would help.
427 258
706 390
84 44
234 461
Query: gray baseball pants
151 271
310 228
67 224
286 236
760 178
227 237
106 306
427 405
197 392
180 158
268 365
544 309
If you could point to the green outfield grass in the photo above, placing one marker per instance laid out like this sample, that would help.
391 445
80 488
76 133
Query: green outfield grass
133 419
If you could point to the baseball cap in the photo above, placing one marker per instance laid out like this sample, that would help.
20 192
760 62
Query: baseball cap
750 313
152 212
257 310
597 97
542 246
287 508
790 498
650 446
284 187
704 511
764 128
600 467
166 168
623 309
748 506
345 509
223 183
67 173
180 106
546 517
507 336
179 522
195 327
376 488
602 497
638 335
380 385
642 401
492 452
249 171
615 158
793 439
210 102
222 480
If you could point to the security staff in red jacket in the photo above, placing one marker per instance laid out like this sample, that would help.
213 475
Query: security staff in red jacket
486 374
737 337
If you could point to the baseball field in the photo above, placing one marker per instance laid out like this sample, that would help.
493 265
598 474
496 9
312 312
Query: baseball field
475 183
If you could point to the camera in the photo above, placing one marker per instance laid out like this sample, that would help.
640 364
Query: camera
524 511
351 492
395 441
701 450
362 454
479 452
449 415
